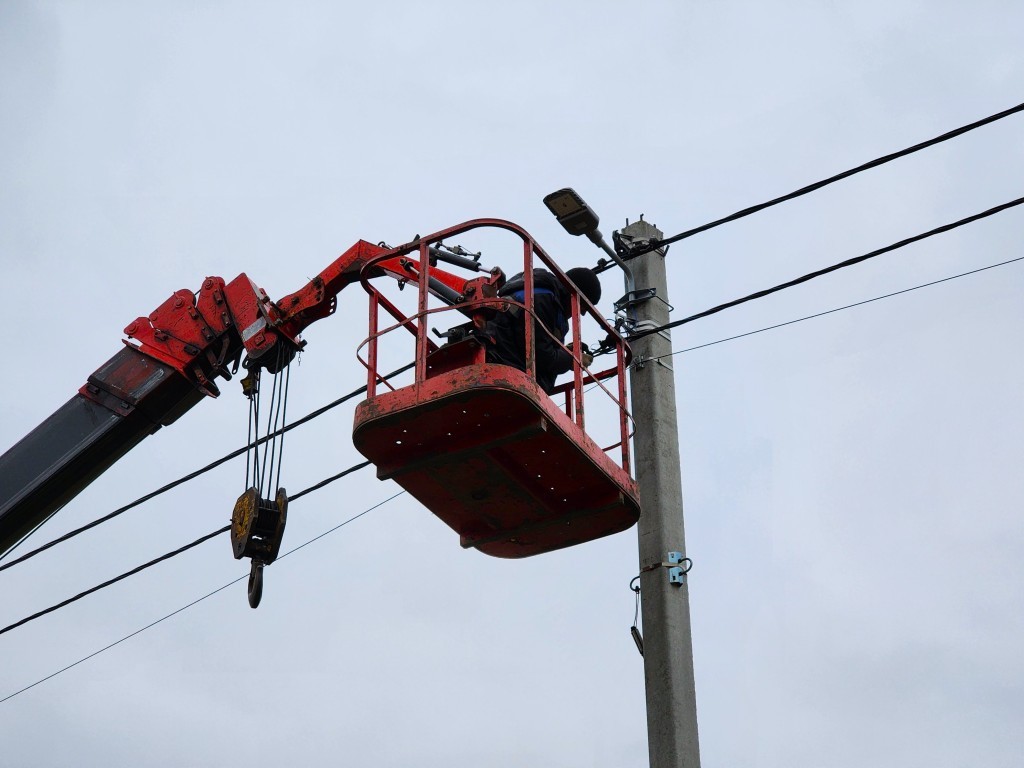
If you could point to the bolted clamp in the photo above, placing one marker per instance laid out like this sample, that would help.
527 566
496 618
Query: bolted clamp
678 566
634 298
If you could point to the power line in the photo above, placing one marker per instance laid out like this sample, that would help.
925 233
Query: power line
364 464
825 182
114 580
839 309
328 481
832 268
194 602
167 556
126 637
193 475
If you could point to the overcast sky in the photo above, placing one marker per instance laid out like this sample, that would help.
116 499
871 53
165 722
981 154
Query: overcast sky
853 483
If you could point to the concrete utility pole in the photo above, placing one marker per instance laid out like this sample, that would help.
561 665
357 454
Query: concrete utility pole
664 592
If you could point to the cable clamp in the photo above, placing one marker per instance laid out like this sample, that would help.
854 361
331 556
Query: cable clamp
629 247
634 298
678 566
646 328
640 361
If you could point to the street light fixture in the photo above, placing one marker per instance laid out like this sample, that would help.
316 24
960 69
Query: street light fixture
578 218
573 213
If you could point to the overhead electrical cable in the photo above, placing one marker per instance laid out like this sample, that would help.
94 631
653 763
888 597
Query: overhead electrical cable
327 481
168 556
194 602
839 309
825 182
832 268
193 475
116 579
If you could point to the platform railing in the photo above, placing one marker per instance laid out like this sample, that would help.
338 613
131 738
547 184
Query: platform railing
573 390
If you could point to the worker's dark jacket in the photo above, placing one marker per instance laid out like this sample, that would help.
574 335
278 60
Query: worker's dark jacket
508 331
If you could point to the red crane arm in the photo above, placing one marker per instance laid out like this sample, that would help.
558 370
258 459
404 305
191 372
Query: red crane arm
173 358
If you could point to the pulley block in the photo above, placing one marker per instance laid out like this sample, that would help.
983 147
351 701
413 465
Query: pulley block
257 528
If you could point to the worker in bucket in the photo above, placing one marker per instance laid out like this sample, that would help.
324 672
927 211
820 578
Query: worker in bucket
552 307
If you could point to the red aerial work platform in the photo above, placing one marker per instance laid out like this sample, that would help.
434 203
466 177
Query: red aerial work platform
481 445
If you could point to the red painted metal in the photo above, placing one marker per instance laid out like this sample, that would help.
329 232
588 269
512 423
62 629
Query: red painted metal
481 445
174 357
188 335
421 330
318 298
198 335
488 452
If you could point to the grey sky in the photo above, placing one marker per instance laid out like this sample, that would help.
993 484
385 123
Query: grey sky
852 483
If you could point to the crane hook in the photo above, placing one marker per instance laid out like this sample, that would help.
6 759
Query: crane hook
255 584
257 527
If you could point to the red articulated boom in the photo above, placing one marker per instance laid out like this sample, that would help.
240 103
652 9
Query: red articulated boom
480 482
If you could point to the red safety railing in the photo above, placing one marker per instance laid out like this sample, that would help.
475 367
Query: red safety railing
610 382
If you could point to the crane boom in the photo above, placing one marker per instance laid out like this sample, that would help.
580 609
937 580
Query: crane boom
172 361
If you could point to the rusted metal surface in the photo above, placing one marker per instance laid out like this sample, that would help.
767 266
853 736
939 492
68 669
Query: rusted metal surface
257 525
257 529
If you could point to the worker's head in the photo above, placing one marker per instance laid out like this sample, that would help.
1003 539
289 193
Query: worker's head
588 283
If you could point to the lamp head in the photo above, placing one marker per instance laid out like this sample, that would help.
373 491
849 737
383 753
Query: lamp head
572 212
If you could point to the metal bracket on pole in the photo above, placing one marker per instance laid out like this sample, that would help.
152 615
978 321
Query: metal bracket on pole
638 297
633 298
678 566
676 573
631 324
640 361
